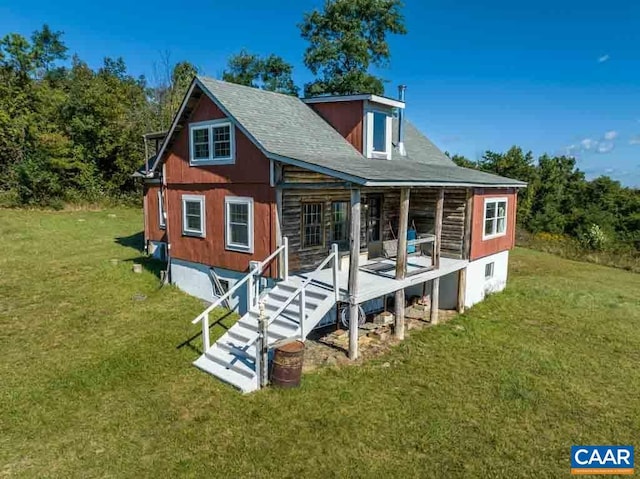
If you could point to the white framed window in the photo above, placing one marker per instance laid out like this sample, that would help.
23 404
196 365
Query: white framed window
495 218
379 124
193 215
239 224
161 214
211 143
488 270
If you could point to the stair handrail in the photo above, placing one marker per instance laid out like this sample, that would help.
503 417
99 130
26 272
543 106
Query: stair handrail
300 290
257 270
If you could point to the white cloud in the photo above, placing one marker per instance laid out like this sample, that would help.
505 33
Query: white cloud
603 58
610 135
605 147
588 143
635 140
609 170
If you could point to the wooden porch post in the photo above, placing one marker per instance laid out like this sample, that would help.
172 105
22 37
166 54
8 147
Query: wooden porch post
435 284
401 260
466 251
354 266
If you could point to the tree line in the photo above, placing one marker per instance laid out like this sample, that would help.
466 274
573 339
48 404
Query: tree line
71 133
600 213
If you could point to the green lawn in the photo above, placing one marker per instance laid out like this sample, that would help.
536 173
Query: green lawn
93 383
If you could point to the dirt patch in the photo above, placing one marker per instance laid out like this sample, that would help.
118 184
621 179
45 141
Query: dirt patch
329 347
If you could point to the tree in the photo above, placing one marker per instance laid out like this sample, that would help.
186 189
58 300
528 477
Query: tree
271 73
462 161
346 39
520 166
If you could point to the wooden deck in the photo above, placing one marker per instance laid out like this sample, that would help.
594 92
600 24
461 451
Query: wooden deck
373 285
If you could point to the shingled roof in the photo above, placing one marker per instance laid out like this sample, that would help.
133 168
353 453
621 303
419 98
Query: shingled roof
288 130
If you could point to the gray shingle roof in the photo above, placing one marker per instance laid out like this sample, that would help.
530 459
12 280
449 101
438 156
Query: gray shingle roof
289 130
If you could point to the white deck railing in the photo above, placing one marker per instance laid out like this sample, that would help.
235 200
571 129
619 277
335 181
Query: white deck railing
300 291
252 299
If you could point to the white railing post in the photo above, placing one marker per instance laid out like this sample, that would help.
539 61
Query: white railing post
262 348
250 291
302 313
285 262
206 343
336 285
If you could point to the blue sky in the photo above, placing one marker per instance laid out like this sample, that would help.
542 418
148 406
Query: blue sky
551 76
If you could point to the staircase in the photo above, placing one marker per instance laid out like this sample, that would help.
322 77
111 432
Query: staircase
294 307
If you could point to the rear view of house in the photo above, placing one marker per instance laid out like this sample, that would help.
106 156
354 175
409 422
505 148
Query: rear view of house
315 208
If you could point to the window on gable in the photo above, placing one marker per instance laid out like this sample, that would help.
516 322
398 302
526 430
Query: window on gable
211 142
340 223
495 217
161 217
312 225
193 215
379 132
239 223
200 143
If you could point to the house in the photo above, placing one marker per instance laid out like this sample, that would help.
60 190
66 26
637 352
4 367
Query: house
315 208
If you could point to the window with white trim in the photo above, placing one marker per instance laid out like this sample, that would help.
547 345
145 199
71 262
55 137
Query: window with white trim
211 143
495 217
161 213
239 223
378 127
193 215
488 270
379 132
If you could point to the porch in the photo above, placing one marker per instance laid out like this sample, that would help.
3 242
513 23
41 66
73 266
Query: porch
372 285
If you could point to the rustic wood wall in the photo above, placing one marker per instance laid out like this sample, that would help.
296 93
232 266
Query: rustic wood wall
422 204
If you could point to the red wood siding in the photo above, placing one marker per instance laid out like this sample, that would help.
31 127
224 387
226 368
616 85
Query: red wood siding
344 116
480 247
211 249
251 165
249 177
153 232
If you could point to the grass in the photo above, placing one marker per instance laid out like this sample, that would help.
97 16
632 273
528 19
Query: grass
94 383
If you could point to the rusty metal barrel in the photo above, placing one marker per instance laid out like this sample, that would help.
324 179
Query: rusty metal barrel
286 368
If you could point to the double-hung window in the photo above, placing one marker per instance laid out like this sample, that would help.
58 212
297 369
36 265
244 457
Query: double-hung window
161 218
193 215
211 143
495 217
239 224
312 227
340 223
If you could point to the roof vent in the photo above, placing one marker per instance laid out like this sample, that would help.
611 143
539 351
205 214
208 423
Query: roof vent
401 149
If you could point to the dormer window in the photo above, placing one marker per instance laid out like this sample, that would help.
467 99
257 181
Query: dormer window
211 143
378 133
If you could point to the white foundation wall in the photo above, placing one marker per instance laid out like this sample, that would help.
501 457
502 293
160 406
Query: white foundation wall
477 285
194 279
